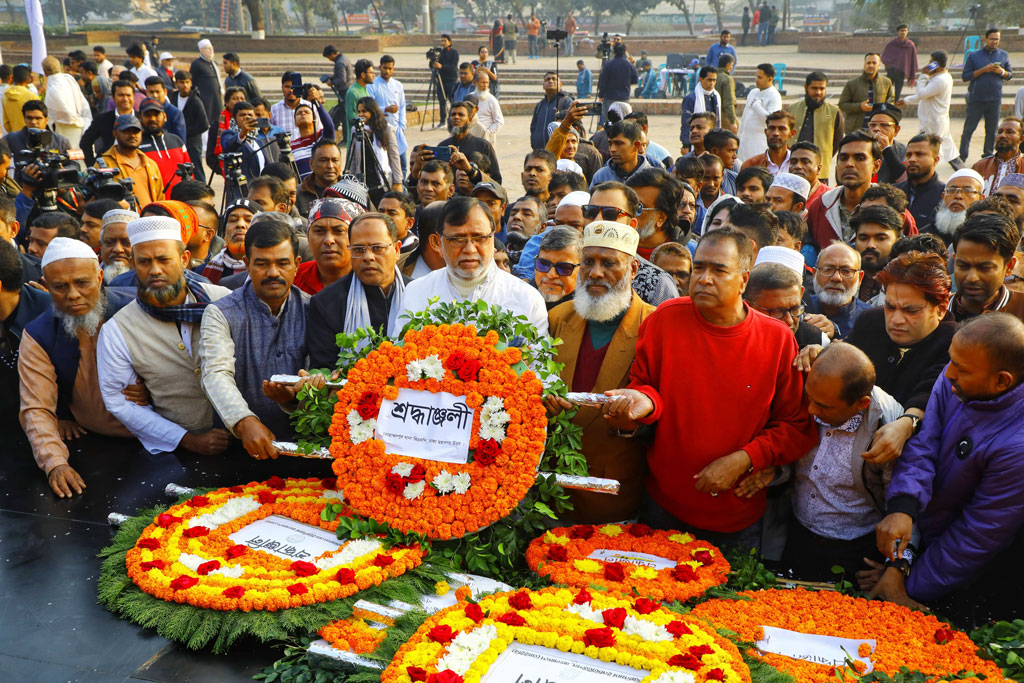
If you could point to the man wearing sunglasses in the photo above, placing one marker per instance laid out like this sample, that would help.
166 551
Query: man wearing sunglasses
466 241
554 268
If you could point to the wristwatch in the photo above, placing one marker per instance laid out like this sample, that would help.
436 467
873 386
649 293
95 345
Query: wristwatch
902 564
914 419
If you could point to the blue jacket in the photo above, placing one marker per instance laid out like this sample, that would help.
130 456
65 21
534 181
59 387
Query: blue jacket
716 51
687 112
616 80
961 478
175 121
584 83
612 172
986 87
229 142
844 318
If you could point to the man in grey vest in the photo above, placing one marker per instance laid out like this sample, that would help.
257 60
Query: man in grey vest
257 331
155 338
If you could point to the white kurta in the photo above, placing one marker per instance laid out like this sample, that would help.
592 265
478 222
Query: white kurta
760 103
932 97
489 116
66 103
498 288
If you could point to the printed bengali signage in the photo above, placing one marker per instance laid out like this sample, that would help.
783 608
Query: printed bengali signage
521 663
827 650
286 538
628 557
431 426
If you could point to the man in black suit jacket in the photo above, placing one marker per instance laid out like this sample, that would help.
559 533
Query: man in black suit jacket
186 98
99 136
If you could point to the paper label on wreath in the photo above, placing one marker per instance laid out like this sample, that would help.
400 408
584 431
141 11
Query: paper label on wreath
286 538
627 557
521 663
827 650
421 424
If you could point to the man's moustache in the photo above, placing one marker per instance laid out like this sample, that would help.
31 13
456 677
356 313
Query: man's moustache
273 281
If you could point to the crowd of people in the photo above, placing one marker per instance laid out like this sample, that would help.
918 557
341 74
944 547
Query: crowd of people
811 345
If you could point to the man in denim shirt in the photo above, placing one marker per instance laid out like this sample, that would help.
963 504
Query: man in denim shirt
985 70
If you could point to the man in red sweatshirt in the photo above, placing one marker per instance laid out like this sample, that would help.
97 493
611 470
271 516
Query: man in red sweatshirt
166 149
726 409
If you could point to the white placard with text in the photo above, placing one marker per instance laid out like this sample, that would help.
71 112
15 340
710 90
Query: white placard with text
628 557
286 538
421 424
827 650
521 663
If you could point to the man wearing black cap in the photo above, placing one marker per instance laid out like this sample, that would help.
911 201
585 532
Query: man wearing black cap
164 148
884 125
126 157
236 220
495 198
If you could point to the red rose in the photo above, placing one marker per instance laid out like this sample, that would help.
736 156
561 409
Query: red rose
183 582
475 612
207 567
196 532
198 501
298 589
394 482
678 628
639 530
512 619
487 452
583 597
148 543
442 633
383 560
943 636
583 531
686 661
237 551
446 676
558 553
715 675
684 572
521 600
416 673
599 637
701 650
275 482
329 483
418 474
366 411
645 605
236 489
614 571
165 520
469 370
703 556
266 498
304 568
154 564
370 398
233 592
345 575
614 617
455 361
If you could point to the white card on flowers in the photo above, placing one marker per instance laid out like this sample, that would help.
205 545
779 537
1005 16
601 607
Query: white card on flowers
426 425
827 650
521 663
286 538
628 557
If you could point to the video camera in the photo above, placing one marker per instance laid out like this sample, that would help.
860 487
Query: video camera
433 55
298 87
54 170
557 34
103 183
232 162
604 48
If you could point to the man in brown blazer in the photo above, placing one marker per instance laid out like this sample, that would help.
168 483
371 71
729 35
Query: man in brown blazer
599 329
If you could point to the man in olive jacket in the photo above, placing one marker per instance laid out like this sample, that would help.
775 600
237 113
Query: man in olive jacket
861 93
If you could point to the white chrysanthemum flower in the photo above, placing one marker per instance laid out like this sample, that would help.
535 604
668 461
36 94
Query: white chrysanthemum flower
193 561
647 630
337 495
229 511
466 648
352 551
461 482
414 491
359 429
413 370
585 611
675 677
494 403
444 482
403 469
432 367
495 432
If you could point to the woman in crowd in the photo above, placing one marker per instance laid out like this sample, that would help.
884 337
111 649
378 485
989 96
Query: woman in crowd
384 146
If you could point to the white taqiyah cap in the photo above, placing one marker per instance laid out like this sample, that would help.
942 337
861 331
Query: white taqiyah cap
118 216
150 228
569 165
611 235
575 198
61 248
967 173
793 183
784 256
166 55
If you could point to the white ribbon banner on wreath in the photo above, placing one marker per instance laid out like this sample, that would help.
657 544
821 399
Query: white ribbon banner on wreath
827 650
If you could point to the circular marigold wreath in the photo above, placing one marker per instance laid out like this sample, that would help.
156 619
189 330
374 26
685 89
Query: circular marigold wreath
461 643
904 638
441 500
186 555
562 555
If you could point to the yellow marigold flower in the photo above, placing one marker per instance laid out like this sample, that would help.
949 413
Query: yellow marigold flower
442 588
589 566
610 530
554 538
645 573
681 538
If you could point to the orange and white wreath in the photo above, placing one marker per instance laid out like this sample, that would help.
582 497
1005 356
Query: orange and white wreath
664 565
187 556
440 499
462 643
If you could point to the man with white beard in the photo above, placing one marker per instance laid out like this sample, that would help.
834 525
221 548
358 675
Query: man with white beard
57 363
837 279
115 247
963 188
466 241
599 330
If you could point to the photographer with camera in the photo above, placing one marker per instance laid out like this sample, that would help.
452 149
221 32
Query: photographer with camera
132 163
166 149
256 148
544 112
282 114
618 76
445 63
307 133
36 115
384 170
358 90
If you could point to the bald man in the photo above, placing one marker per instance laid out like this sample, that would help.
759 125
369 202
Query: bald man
957 483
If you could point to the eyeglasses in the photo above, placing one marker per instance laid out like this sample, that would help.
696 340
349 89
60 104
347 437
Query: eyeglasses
961 190
780 313
829 271
563 268
359 251
608 213
462 241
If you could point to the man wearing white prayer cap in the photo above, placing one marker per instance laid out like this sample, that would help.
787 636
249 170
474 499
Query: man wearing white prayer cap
155 338
57 362
115 248
775 288
599 330
788 192
784 256
963 188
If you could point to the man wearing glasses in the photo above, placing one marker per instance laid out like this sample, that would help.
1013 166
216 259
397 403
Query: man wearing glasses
776 290
964 187
837 280
466 241
554 268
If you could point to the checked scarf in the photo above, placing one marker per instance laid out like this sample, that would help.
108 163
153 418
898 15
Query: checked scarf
182 313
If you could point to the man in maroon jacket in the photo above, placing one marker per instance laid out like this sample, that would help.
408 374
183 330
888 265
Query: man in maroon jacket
166 149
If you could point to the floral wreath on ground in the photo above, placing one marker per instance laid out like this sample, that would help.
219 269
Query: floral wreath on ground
441 500
460 644
904 638
563 556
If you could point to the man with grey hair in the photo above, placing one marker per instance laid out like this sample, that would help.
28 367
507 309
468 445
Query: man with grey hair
777 291
599 330
115 248
837 279
554 268
57 363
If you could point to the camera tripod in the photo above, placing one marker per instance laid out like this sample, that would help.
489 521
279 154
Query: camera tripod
435 90
370 172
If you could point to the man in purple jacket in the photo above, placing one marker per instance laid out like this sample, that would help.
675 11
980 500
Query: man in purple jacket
959 480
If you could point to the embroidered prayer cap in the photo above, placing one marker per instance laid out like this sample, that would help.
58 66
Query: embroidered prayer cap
890 110
118 216
1012 180
793 183
333 207
611 235
494 188
575 198
152 228
967 173
569 165
61 248
351 188
784 256
179 211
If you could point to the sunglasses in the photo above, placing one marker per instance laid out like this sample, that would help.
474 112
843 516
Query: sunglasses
563 268
608 213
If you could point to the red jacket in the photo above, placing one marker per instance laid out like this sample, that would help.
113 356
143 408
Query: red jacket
734 389
167 150
823 223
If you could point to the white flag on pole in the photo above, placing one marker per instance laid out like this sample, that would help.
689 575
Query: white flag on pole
34 14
